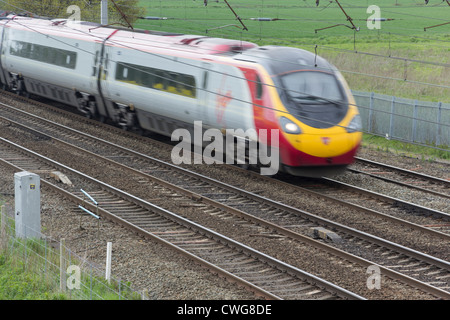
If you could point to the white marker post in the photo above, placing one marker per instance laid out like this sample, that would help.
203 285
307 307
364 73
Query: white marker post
108 262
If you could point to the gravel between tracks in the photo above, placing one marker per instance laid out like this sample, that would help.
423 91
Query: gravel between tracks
164 273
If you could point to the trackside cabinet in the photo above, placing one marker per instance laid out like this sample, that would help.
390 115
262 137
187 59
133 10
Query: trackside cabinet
27 205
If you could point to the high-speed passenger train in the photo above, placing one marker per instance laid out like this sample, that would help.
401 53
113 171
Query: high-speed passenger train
160 82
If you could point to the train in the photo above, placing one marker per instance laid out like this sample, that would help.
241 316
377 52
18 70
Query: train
160 81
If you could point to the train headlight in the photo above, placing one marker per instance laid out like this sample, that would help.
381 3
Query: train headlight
289 127
354 125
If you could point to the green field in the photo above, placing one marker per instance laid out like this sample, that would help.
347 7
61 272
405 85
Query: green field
298 19
367 58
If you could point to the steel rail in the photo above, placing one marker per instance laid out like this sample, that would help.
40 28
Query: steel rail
187 223
398 202
261 222
405 172
250 195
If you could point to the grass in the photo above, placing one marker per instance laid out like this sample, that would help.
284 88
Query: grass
399 59
404 148
23 281
402 37
16 283
418 80
29 270
298 19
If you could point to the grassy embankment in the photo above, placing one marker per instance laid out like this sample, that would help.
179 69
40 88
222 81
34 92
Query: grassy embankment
29 270
403 37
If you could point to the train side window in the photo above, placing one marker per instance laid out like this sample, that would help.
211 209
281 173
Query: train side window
159 80
45 54
141 76
173 82
132 74
37 53
70 62
59 57
32 53
51 56
148 75
28 50
73 60
188 86
121 72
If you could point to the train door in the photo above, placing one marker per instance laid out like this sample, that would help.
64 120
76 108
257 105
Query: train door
203 92
104 76
2 51
95 66
99 73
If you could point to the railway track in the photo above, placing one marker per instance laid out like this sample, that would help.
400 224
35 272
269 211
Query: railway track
241 203
261 273
379 204
329 188
407 178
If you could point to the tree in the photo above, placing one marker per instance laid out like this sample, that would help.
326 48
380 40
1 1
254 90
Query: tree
89 10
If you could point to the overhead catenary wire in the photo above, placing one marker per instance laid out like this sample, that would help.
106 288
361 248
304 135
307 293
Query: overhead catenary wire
218 93
390 78
291 18
342 71
262 106
288 18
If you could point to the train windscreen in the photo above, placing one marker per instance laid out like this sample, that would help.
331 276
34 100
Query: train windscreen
314 97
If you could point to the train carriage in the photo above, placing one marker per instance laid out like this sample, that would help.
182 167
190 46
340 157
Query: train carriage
162 81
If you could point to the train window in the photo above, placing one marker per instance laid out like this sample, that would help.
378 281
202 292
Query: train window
159 80
188 86
45 53
173 82
132 75
55 56
27 50
73 59
148 77
311 86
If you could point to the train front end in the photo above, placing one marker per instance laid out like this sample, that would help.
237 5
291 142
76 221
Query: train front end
320 126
